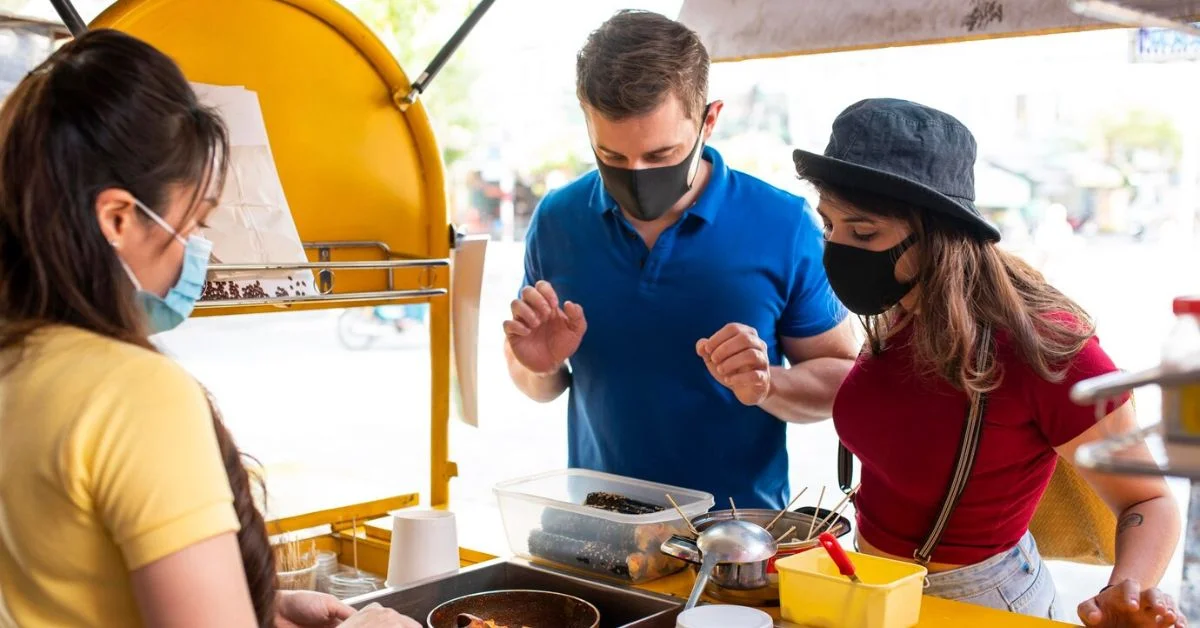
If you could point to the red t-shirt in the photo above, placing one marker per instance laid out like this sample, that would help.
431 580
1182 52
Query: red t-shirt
905 428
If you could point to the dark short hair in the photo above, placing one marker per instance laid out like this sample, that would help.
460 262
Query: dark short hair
632 62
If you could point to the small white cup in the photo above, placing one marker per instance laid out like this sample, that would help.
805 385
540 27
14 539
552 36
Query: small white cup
424 545
724 616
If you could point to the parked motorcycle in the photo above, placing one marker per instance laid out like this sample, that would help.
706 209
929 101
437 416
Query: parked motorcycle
361 327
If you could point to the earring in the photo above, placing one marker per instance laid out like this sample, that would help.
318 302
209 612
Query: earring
114 244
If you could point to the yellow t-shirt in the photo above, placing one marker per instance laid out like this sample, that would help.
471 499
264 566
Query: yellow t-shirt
108 462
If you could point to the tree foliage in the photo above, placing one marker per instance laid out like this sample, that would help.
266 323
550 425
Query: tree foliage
1141 130
414 30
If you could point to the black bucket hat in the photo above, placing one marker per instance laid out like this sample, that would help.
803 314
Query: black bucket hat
904 151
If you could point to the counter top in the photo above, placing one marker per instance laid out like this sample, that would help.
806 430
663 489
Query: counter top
935 612
481 530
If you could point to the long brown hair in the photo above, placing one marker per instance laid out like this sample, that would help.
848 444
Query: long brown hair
962 285
105 111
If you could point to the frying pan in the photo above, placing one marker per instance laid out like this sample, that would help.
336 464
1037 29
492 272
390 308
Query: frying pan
535 609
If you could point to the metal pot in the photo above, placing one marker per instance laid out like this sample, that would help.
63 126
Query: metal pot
738 576
518 608
754 584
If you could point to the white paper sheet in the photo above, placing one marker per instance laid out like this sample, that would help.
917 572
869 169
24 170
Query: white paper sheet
466 285
253 223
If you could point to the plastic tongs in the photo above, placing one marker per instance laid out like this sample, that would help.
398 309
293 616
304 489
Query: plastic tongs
831 545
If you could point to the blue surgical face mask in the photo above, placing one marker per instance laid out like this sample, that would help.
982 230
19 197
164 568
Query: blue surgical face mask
167 313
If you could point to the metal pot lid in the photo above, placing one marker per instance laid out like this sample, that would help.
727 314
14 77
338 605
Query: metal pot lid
737 542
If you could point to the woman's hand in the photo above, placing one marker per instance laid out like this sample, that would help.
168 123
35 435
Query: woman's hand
1125 605
376 616
309 609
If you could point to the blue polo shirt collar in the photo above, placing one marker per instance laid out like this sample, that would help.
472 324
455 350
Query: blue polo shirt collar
706 206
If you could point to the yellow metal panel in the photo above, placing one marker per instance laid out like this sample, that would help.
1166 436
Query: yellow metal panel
353 166
372 554
343 516
354 546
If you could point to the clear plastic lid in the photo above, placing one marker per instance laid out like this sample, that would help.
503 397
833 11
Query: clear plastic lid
566 489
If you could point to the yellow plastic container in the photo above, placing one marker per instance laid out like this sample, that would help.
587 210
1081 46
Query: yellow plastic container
814 594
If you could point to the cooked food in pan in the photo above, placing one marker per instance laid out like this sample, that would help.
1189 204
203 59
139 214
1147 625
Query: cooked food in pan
471 621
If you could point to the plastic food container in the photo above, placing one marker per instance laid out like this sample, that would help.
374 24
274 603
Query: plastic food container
545 520
813 593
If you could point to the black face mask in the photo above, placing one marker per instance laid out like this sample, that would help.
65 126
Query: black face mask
651 192
865 281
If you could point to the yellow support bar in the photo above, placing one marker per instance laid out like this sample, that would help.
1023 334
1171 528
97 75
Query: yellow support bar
343 516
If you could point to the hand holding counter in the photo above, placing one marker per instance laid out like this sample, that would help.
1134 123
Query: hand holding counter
1126 605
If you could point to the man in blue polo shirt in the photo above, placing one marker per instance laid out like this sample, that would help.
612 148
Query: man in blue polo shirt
665 289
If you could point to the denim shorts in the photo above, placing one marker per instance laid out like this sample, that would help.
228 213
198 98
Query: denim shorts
1016 581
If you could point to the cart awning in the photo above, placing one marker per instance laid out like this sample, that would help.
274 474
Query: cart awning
735 30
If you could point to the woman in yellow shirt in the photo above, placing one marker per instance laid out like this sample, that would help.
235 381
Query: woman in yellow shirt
123 499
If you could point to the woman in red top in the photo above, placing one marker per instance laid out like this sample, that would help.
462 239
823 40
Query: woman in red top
908 251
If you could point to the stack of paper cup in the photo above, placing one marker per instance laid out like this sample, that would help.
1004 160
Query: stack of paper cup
424 545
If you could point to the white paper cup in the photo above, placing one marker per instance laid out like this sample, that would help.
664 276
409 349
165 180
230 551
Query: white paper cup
722 616
424 545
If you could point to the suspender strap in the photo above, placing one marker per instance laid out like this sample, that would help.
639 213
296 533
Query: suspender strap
845 468
968 448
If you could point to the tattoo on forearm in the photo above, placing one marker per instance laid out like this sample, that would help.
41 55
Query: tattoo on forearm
1131 520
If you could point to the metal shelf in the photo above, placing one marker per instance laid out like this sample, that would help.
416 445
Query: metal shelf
325 276
382 265
346 297
1142 452
1099 389
1145 451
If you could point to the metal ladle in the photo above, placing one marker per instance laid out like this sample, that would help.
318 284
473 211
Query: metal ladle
730 542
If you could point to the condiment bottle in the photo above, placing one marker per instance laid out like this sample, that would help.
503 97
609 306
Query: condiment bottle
1181 352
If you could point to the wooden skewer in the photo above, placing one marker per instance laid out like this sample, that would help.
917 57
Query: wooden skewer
836 511
785 509
813 522
354 528
786 534
685 517
827 523
734 507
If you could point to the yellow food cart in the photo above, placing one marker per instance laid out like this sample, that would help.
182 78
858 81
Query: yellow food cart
364 179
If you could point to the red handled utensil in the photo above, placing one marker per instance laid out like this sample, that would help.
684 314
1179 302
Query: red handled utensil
831 545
